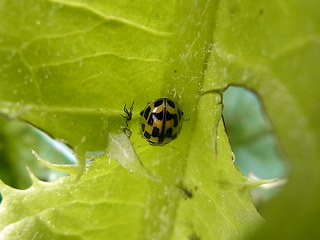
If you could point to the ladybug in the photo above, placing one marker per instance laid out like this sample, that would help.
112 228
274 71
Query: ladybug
161 121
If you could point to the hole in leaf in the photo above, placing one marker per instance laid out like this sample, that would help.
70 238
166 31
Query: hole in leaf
17 140
252 141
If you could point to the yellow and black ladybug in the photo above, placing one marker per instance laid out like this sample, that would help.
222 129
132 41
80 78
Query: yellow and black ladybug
161 121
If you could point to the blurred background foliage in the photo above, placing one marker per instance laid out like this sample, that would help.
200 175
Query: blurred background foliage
17 140
256 150
251 137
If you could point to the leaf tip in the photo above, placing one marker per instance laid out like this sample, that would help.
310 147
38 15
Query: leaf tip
72 170
33 177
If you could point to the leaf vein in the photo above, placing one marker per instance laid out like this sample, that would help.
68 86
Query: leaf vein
112 18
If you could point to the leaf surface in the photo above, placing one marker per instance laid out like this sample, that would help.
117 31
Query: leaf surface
273 49
76 63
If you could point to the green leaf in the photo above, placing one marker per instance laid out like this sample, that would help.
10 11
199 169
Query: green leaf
17 140
253 143
251 136
274 50
69 66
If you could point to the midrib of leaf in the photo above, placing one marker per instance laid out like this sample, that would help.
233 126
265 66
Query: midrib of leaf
180 211
166 225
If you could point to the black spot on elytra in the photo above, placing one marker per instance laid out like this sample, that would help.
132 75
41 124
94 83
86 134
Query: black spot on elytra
159 115
155 132
170 116
146 112
158 103
171 104
141 113
175 119
151 118
143 126
169 133
147 135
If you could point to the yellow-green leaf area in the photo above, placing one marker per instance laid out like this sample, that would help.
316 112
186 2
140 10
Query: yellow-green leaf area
69 66
273 49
